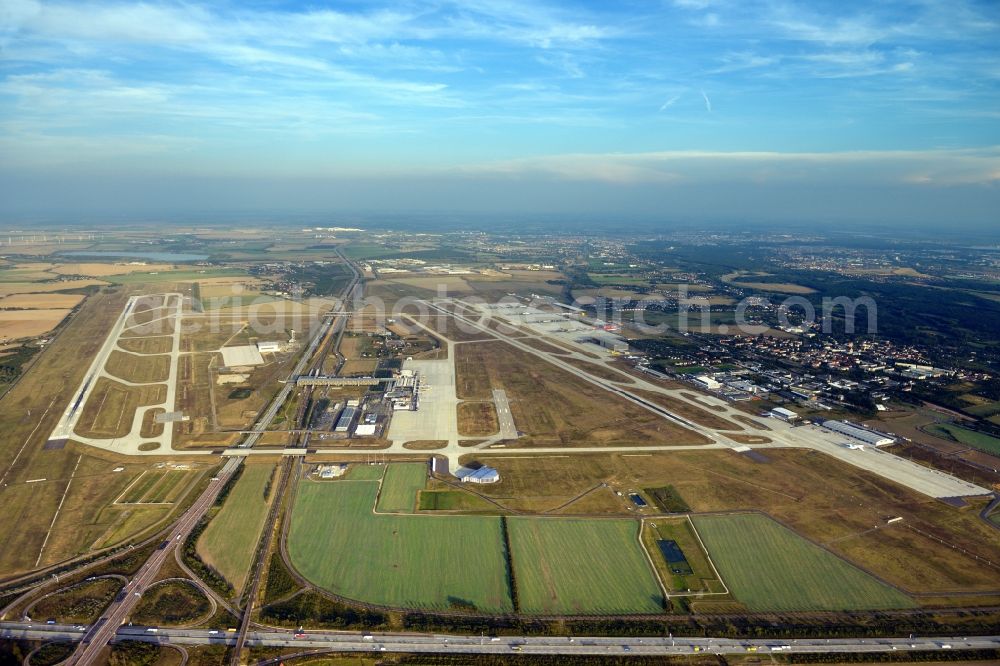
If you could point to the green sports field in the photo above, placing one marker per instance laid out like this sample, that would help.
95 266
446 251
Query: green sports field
400 485
567 566
229 541
433 562
770 568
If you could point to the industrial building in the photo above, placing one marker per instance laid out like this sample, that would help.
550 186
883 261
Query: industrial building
269 347
706 382
612 342
347 416
241 356
870 437
784 414
483 474
332 471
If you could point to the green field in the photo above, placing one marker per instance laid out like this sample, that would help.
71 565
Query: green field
770 568
140 487
359 472
434 562
174 276
454 500
566 566
229 541
400 485
978 440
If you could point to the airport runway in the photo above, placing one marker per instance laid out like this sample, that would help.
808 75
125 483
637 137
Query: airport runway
925 480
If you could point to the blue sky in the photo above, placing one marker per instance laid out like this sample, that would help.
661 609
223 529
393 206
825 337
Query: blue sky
686 108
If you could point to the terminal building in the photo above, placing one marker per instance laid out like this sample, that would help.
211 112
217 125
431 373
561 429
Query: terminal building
870 437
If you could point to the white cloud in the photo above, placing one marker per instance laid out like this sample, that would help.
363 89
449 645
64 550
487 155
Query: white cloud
929 167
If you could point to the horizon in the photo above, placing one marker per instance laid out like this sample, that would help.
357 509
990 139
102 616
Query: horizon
693 111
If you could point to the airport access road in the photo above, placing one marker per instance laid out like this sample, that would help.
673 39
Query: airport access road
330 641
96 637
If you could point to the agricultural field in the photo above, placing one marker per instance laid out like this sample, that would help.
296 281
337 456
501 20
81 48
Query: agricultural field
695 575
40 301
18 324
229 541
770 568
402 561
977 440
400 485
819 497
92 269
571 565
9 288
359 472
453 500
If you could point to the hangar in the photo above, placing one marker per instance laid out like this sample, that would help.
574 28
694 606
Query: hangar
483 474
234 357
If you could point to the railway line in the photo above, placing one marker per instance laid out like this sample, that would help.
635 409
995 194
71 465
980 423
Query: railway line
96 637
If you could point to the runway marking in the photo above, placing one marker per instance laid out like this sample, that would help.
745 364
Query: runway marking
58 509
27 439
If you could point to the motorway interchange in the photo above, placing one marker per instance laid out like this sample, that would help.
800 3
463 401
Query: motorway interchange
109 627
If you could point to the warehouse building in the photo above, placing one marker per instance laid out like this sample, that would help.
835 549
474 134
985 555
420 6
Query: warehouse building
784 414
707 382
870 437
269 347
346 419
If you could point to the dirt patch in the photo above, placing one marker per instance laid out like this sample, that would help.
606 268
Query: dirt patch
477 419
426 444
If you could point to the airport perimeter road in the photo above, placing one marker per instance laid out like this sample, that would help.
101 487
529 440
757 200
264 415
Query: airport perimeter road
441 643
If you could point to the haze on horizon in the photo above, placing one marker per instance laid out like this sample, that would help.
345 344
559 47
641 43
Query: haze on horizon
693 109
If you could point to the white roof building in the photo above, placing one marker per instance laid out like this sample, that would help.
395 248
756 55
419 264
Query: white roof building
482 475
871 437
784 414
708 382
244 355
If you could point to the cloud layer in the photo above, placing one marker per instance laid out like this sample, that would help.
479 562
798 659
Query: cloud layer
694 92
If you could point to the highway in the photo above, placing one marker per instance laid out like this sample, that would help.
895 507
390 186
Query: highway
476 644
97 636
